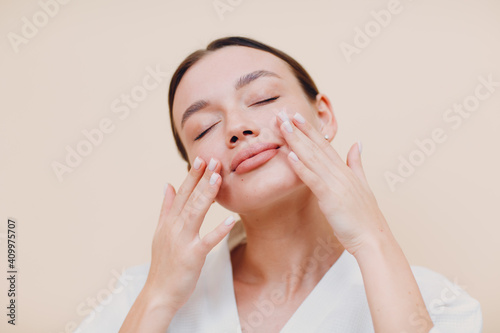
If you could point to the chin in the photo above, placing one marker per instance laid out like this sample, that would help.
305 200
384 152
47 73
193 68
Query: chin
259 188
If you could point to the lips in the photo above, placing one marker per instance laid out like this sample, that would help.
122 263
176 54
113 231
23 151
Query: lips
251 151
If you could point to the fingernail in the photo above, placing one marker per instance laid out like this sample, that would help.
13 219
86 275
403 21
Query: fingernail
165 186
212 164
360 147
297 116
197 163
293 156
213 178
288 126
283 116
230 219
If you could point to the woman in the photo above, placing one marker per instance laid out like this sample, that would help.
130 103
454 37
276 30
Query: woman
312 251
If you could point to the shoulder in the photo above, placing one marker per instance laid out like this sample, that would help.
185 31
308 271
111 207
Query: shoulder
120 293
451 308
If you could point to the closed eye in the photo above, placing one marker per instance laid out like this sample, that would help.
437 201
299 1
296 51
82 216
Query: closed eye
204 132
258 103
267 100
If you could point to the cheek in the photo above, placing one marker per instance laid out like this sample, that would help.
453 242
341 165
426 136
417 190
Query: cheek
269 127
273 122
208 151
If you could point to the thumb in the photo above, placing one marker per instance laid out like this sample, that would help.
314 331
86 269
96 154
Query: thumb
354 161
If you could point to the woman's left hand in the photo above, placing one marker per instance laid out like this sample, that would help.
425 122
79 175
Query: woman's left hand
350 207
343 193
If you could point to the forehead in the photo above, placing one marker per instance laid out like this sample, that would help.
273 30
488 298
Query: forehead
213 77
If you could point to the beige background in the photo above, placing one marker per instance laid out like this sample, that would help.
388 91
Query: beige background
75 234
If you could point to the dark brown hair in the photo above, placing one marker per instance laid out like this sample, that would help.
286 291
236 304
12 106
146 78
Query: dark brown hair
306 82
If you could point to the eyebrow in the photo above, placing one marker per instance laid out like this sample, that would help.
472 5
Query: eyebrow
240 83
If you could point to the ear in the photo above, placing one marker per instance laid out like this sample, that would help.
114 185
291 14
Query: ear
327 120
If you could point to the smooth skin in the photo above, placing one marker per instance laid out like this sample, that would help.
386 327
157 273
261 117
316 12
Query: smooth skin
286 206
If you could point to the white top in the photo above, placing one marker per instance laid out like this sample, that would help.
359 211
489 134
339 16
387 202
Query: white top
337 304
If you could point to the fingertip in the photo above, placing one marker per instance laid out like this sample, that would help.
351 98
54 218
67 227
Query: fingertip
299 118
198 161
287 126
293 156
283 116
354 151
168 188
229 220
217 235
218 167
214 178
212 164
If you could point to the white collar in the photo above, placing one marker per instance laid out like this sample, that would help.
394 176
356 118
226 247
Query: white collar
219 289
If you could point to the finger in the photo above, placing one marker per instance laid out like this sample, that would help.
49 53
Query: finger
310 153
306 127
168 199
201 199
188 185
308 130
311 179
215 236
354 162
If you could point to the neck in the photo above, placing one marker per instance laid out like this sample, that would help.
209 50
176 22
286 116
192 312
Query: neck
290 242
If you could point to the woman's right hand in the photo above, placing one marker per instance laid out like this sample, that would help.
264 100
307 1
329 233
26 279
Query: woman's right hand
178 252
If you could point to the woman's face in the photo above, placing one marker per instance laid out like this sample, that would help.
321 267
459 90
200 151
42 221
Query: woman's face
232 113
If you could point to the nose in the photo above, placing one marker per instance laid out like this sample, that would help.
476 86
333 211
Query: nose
240 126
